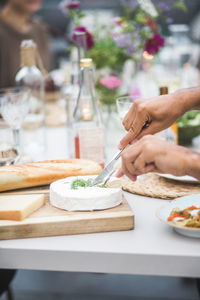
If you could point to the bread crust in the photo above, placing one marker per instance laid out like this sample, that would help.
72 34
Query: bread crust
44 172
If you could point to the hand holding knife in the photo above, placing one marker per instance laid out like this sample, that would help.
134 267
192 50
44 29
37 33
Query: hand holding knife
107 172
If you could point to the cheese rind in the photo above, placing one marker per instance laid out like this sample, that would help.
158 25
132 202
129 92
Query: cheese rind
84 198
18 207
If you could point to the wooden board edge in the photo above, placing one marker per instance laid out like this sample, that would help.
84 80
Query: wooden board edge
121 223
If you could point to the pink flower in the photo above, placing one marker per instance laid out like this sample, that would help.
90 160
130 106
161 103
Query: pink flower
66 4
154 43
73 5
89 37
111 82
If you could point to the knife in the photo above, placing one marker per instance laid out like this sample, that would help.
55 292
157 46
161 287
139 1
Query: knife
104 176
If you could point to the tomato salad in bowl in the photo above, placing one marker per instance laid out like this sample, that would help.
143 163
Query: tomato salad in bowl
189 217
183 215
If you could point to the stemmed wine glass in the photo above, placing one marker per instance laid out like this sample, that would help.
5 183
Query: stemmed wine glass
14 106
123 105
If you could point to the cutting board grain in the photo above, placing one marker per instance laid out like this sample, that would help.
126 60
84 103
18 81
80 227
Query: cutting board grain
51 221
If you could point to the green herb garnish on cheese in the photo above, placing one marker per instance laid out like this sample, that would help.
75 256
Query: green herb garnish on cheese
81 183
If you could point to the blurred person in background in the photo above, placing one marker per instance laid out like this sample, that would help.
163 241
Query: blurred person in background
17 24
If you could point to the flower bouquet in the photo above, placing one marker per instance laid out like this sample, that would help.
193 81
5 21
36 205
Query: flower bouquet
125 37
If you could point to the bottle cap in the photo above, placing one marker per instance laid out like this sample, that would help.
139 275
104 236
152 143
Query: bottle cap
86 62
28 44
163 90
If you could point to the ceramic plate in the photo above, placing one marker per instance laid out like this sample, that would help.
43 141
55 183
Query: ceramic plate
164 212
185 178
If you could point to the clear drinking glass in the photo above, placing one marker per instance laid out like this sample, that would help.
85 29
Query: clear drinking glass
123 105
7 151
14 106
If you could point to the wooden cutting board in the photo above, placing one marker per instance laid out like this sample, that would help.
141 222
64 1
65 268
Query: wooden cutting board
51 221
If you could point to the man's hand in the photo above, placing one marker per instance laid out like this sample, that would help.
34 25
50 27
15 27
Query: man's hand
158 113
150 154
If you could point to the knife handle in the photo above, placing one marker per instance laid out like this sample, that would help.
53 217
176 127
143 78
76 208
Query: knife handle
117 156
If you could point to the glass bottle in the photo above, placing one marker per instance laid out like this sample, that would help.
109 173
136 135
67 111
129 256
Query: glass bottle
33 139
71 91
88 125
80 52
170 134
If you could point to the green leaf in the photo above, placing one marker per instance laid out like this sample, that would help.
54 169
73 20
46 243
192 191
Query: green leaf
140 18
188 117
80 15
105 53
180 5
81 183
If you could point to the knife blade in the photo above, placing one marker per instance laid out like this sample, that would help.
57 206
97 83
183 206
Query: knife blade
101 178
108 170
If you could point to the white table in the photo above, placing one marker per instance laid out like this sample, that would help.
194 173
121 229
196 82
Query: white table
152 248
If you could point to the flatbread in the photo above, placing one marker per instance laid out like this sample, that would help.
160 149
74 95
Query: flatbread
153 185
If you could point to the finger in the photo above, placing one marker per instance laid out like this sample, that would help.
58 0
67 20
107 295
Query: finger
144 161
133 141
126 171
139 164
151 129
150 168
128 156
131 177
129 117
119 173
134 130
130 167
129 137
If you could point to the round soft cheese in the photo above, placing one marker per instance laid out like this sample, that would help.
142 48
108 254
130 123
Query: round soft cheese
83 198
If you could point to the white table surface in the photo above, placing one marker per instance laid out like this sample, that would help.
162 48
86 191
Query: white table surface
152 248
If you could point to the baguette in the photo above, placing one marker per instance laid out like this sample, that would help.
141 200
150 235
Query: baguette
45 172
